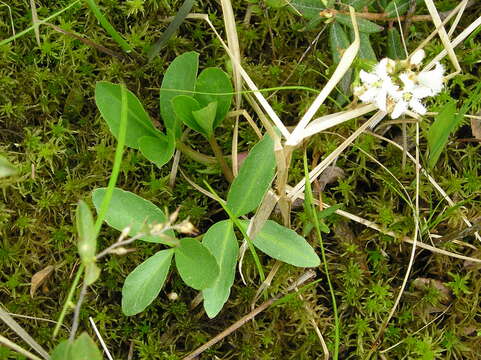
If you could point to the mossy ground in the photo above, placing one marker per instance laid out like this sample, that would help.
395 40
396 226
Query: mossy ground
51 130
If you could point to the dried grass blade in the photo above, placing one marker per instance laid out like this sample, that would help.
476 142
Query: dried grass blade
267 107
457 40
233 42
443 34
299 188
342 68
35 22
328 121
12 324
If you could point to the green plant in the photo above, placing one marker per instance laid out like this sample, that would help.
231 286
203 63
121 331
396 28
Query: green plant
202 266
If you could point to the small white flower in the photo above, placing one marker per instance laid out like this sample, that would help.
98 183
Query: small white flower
433 79
417 57
378 85
409 97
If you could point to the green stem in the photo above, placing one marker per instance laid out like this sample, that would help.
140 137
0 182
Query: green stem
106 200
311 207
220 158
117 161
107 26
68 301
195 155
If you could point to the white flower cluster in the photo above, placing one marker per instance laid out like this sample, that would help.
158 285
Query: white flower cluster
395 86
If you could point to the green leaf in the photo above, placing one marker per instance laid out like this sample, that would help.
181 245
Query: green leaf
179 18
254 179
358 4
205 117
183 106
180 75
214 80
195 264
143 284
87 241
395 49
158 150
308 8
365 26
6 169
444 124
127 209
338 41
83 348
366 51
220 240
61 351
108 100
402 7
285 245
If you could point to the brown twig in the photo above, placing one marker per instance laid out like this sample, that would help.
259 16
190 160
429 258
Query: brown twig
86 41
329 13
239 323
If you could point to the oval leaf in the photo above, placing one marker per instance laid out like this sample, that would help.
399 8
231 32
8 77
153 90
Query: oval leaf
447 120
338 41
158 150
308 8
180 75
395 49
365 26
184 106
87 241
254 179
214 80
128 209
222 243
83 348
108 100
285 245
143 284
399 7
195 264
205 117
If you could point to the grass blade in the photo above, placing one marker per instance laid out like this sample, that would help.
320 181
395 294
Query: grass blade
108 27
171 29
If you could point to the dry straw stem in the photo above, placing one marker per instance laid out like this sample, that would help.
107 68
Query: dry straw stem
239 323
35 22
233 43
344 64
4 341
443 35
314 173
12 324
102 342
265 105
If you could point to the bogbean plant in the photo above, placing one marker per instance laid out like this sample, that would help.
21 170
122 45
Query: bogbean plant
200 102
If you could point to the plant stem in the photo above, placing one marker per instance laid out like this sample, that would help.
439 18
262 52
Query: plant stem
76 315
220 158
108 27
195 155
315 219
68 300
18 348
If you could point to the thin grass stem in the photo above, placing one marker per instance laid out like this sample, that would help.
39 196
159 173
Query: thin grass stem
108 27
